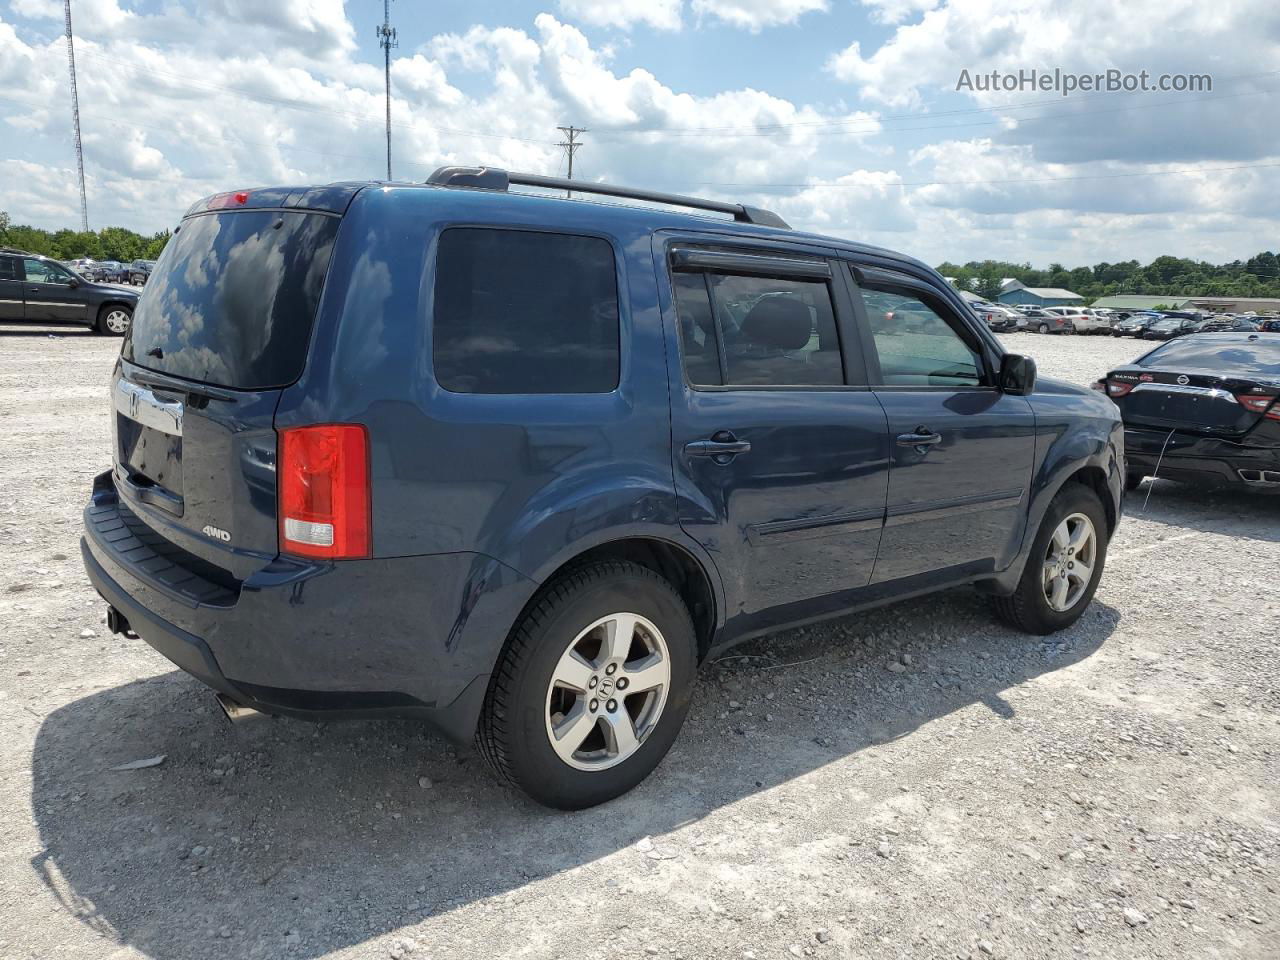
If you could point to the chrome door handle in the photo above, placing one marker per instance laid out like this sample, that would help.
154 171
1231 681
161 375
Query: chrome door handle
923 437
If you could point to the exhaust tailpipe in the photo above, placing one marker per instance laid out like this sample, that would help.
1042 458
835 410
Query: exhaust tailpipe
235 711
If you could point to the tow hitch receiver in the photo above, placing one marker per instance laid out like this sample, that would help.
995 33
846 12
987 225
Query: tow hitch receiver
117 622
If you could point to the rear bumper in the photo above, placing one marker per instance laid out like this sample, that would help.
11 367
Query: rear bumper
1208 461
407 636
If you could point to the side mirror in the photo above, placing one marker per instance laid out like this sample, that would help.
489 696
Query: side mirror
1017 375
73 283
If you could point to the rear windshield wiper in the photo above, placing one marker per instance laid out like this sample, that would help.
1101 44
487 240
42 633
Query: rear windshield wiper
193 390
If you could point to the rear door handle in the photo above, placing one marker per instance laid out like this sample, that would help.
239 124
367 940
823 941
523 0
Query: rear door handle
722 447
923 437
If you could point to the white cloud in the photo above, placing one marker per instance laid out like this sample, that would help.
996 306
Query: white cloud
659 14
752 15
895 11
179 104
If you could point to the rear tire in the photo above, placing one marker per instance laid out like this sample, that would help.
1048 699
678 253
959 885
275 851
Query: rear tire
1030 608
114 320
531 717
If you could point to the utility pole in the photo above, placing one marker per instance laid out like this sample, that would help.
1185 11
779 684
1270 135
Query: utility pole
75 120
386 40
571 145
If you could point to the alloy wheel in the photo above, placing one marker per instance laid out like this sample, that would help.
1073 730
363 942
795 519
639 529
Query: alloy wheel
117 321
1069 561
608 691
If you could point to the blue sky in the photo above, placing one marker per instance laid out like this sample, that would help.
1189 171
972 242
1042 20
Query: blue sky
840 114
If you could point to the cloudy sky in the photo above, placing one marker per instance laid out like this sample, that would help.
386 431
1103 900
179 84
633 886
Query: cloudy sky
843 115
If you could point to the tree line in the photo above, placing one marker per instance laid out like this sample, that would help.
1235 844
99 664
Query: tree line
1259 276
109 243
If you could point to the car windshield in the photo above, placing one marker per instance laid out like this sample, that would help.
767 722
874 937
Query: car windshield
1260 358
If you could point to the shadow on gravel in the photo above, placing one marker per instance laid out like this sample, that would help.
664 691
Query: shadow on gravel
1184 507
243 835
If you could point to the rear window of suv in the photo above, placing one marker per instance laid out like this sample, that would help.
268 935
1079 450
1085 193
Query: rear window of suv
233 298
519 311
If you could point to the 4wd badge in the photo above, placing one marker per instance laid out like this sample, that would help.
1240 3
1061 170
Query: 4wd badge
211 531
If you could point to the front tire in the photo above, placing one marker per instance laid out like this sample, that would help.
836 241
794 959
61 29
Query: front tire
1043 328
1064 566
592 688
114 320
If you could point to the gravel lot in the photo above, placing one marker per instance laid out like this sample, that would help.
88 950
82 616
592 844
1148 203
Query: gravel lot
915 782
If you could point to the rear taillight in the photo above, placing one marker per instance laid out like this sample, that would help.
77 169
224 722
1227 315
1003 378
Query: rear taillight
1118 388
1260 403
1099 385
324 491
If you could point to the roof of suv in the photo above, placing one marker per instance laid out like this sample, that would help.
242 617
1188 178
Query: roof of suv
662 211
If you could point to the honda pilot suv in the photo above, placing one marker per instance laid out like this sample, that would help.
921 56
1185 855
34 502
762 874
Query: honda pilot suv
517 464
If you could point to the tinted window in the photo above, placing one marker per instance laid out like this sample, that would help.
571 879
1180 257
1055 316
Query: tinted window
232 300
8 268
523 312
774 332
42 271
697 329
1248 357
916 346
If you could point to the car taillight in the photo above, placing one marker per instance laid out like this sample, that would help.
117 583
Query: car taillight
324 491
1118 388
1260 403
1099 385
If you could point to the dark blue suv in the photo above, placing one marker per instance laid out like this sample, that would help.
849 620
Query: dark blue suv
516 465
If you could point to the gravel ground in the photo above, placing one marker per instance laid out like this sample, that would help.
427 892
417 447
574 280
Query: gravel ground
915 782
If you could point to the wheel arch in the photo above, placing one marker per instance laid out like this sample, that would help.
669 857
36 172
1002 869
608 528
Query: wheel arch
108 304
1094 477
687 574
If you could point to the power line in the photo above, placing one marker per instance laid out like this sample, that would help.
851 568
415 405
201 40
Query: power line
75 120
1189 171
387 40
571 145
995 108
874 123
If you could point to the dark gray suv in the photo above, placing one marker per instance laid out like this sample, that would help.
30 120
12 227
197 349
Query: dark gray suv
36 289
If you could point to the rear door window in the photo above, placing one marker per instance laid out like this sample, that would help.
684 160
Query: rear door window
771 331
519 311
233 298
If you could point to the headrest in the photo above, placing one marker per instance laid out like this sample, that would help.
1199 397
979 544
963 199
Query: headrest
779 322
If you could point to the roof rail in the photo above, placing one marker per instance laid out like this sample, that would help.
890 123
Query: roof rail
491 178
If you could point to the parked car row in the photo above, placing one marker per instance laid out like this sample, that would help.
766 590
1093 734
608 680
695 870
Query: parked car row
1006 319
1167 324
111 271
1141 324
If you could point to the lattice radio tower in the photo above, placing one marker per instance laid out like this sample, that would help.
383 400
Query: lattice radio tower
387 40
75 120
